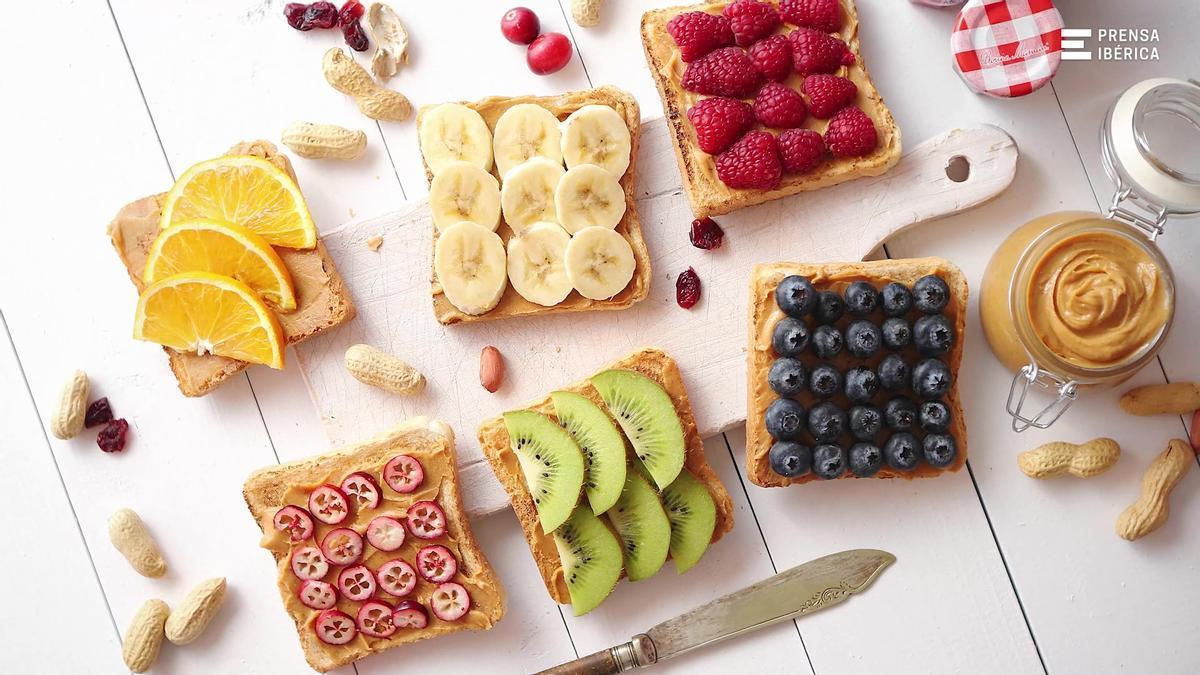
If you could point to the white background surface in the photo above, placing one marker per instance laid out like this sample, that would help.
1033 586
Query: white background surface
996 573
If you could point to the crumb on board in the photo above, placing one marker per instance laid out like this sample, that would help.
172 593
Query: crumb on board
375 242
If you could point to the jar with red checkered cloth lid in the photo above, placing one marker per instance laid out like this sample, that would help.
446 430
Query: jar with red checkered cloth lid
1007 48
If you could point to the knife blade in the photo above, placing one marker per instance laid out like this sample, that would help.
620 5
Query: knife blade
794 593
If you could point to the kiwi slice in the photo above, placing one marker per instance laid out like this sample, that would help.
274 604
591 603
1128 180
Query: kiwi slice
642 524
648 418
602 445
693 516
552 464
591 559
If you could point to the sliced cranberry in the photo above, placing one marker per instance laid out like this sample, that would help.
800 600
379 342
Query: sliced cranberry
357 583
308 563
450 601
706 234
385 533
687 288
316 594
436 563
375 619
403 474
410 614
321 15
396 577
426 520
99 412
112 436
342 546
352 10
355 37
362 490
334 627
328 504
295 521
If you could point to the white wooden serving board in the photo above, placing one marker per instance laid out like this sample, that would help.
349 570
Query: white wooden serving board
391 288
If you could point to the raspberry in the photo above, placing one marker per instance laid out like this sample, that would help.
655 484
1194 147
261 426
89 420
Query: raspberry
351 11
725 72
801 150
99 412
698 33
779 106
828 94
750 20
112 437
772 57
687 288
752 162
816 52
719 122
706 234
824 15
851 133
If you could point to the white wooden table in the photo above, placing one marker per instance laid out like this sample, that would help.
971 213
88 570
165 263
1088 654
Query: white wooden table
104 102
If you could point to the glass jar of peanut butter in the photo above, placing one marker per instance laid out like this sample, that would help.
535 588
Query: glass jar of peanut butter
1077 300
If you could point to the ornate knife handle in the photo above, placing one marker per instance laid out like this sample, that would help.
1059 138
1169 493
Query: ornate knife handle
637 653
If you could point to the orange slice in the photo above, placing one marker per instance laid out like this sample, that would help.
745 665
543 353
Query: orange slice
225 249
206 313
243 190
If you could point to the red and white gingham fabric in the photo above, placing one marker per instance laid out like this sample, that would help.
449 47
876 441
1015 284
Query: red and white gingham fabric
1007 48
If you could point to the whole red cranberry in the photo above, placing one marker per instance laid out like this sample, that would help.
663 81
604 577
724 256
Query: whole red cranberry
548 53
706 234
351 11
355 36
321 15
294 13
687 288
520 25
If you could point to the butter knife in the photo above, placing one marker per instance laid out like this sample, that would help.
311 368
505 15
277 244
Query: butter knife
795 593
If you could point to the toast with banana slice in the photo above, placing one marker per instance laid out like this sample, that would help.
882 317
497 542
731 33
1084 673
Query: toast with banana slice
532 207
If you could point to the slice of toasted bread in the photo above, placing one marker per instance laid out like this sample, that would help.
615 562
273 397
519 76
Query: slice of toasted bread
322 301
707 194
432 443
511 303
764 314
493 436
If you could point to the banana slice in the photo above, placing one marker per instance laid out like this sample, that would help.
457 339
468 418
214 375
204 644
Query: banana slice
526 130
596 134
463 191
469 261
452 132
588 195
527 195
599 262
536 266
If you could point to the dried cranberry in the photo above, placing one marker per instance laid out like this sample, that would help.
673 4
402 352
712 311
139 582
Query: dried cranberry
356 37
321 15
687 288
294 13
112 437
351 12
706 234
98 412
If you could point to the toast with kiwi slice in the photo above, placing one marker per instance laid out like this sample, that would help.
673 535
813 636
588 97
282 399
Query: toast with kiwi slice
646 493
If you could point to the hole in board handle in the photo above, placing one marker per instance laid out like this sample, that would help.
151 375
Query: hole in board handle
958 168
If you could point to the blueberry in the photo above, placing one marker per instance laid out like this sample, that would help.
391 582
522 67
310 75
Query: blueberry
940 450
787 377
896 299
785 419
894 373
934 417
896 332
826 422
861 298
824 381
931 379
829 461
863 338
900 413
790 459
865 422
902 451
861 384
865 459
826 342
829 307
790 337
796 296
930 294
933 334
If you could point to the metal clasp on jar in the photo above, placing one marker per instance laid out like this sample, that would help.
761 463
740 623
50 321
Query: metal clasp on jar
1047 381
